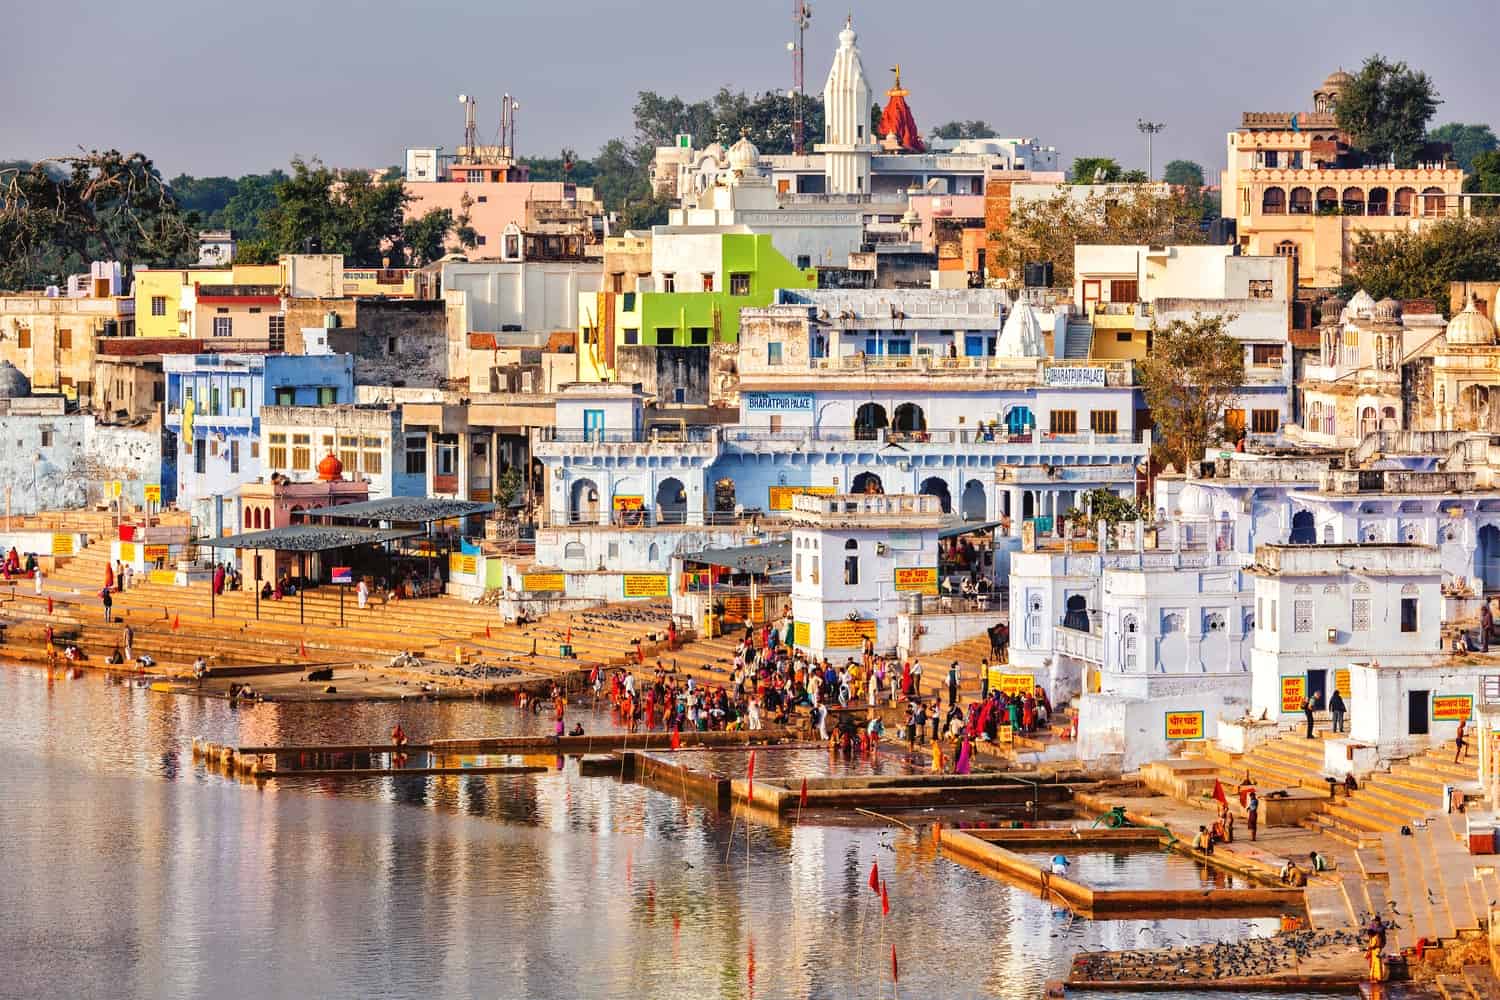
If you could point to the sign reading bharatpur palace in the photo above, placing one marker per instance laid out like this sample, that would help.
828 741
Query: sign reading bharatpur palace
1071 375
778 402
1184 725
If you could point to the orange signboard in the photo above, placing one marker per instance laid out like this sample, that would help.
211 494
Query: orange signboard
1341 683
780 497
1184 725
917 579
1452 707
1293 690
847 634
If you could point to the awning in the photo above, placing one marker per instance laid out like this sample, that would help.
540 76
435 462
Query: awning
952 527
309 538
405 510
772 557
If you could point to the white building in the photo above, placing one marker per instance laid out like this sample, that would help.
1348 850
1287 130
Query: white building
521 292
855 557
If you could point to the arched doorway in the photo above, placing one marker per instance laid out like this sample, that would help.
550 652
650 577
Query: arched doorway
1077 615
909 418
671 501
936 487
1489 557
867 482
974 504
1019 421
1028 506
1304 531
869 421
583 504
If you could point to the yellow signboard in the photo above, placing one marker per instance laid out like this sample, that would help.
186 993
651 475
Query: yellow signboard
801 634
460 563
1452 707
127 552
166 576
1341 683
1184 725
1005 736
1293 690
153 492
917 579
781 496
629 502
847 634
737 607
156 552
645 584
62 545
543 581
1009 684
114 489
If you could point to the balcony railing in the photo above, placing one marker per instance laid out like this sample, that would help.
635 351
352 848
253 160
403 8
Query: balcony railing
1087 646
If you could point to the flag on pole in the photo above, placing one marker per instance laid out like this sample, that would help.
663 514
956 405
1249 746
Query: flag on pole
1219 795
750 777
49 604
176 622
885 900
302 649
802 802
875 877
487 632
895 969
676 737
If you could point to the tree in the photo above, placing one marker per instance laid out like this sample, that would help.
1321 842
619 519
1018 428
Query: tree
977 129
345 212
1193 370
1095 170
426 236
1048 229
1468 141
1385 109
1485 179
60 213
1134 177
1421 264
206 196
1100 506
1184 173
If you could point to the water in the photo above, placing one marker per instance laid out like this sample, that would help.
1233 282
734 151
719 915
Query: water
1138 869
131 872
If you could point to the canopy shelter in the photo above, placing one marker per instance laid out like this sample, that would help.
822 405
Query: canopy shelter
423 514
954 526
305 539
960 558
750 569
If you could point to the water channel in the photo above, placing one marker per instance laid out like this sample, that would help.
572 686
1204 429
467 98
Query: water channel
132 872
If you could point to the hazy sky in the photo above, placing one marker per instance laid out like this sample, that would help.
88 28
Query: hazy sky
213 87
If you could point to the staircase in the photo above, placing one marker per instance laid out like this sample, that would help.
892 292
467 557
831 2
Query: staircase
1388 800
1078 340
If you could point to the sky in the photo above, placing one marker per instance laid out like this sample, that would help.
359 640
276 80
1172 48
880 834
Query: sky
210 87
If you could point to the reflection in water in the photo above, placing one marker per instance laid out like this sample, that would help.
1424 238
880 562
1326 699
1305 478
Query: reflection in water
132 872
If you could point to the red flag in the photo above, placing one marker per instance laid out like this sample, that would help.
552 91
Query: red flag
569 639
1219 795
302 649
875 876
49 604
676 737
487 632
176 622
750 777
895 969
802 802
885 901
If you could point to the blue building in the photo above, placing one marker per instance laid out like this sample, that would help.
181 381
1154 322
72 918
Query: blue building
213 413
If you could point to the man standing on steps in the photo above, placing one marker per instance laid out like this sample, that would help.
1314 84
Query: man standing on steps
1308 704
1252 813
1337 709
953 683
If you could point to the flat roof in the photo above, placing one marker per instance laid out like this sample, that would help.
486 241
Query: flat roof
767 558
409 510
955 526
309 538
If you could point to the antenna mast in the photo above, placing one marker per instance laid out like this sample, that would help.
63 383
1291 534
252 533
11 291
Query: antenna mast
801 17
466 152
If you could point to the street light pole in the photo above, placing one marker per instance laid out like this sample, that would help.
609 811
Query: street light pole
1149 129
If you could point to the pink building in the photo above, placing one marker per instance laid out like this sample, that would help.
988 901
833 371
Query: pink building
280 502
492 205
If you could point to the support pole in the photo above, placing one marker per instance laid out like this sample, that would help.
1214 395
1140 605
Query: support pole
302 588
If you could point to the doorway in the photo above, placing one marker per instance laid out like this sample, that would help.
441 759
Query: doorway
1317 684
1416 713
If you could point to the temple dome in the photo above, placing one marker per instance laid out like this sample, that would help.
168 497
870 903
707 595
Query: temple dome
744 156
1021 336
1361 306
1337 80
1470 327
1387 309
13 383
330 469
1195 501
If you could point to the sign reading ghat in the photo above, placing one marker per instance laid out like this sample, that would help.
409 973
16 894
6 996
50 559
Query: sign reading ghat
1293 690
645 584
918 579
1452 707
543 582
1184 725
847 634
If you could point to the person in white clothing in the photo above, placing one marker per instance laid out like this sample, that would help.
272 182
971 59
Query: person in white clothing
363 593
37 575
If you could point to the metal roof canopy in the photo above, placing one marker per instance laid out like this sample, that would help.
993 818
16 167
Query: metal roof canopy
765 559
406 510
952 528
309 538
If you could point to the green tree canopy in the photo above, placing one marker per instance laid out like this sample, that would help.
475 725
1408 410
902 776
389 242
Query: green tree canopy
1486 180
1468 141
976 129
1193 371
1185 173
1095 170
1421 264
1385 109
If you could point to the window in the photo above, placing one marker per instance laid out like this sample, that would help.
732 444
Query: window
416 456
23 337
617 281
391 346
480 240
679 395
804 261
1131 627
46 437
1064 422
1286 248
1408 614
286 396
668 281
1265 421
65 339
632 336
327 395
234 456
158 305
348 453
698 336
276 331
200 457
223 326
213 401
1273 616
1261 288
1103 421
236 399
1123 290
1124 336
665 335
851 570
629 303
797 568
255 310
1266 354
446 455
773 353
1361 615
708 281
1302 616
739 284
276 451
373 465
301 452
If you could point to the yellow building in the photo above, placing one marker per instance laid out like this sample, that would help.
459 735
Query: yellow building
159 293
1297 189
53 339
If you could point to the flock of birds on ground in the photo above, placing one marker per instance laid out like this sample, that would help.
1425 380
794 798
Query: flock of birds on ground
1220 960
